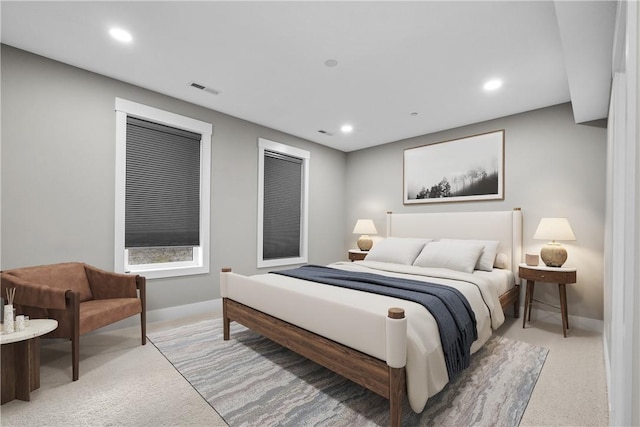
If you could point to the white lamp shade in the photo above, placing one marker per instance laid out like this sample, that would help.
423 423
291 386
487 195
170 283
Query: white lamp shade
554 229
365 226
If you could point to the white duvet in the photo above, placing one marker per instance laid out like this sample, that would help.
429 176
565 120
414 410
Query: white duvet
357 319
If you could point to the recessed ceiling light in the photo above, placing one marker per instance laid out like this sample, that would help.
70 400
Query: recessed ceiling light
493 84
120 35
330 62
346 128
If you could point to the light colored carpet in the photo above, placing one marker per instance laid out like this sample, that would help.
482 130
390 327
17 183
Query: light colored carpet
572 388
125 384
122 383
251 381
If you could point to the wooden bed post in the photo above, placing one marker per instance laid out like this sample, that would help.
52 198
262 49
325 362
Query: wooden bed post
226 323
396 360
516 257
397 388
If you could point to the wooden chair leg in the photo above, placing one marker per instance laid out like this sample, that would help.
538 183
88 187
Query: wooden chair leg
142 286
143 327
75 335
75 357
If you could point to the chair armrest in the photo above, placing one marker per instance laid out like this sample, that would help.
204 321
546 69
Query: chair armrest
141 284
34 294
107 285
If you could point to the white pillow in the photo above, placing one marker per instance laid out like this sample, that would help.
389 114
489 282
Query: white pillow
459 256
502 261
488 256
397 250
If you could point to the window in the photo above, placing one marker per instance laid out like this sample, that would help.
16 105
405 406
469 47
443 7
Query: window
163 164
283 175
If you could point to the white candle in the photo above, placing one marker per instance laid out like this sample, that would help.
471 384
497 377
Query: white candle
20 323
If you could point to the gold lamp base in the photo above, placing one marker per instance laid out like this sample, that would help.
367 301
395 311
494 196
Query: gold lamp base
553 254
365 242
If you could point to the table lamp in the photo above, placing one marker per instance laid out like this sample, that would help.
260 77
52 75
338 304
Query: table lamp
364 227
553 254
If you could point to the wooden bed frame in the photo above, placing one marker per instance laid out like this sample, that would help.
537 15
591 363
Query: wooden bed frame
385 378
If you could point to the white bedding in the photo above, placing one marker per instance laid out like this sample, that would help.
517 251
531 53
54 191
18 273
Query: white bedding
355 318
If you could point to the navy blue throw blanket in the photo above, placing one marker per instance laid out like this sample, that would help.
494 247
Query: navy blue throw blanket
451 310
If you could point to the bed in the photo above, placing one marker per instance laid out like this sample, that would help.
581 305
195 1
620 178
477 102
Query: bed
389 345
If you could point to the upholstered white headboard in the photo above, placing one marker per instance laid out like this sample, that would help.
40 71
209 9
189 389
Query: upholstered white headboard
504 226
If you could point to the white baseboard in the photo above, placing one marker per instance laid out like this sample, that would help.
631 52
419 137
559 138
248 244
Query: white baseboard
578 322
170 313
173 313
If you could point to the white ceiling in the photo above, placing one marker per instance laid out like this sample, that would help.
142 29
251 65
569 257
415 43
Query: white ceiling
267 59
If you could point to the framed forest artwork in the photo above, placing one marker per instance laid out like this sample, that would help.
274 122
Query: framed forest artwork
460 170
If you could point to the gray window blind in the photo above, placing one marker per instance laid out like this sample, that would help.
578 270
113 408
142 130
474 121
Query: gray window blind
162 186
283 176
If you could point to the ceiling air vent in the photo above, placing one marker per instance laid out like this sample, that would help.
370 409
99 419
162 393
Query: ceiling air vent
204 88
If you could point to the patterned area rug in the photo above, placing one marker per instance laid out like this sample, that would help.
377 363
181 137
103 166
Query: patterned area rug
251 381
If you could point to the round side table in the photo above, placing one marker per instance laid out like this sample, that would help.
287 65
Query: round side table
21 359
560 275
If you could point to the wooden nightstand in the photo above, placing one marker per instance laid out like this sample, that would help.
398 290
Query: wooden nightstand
545 274
357 254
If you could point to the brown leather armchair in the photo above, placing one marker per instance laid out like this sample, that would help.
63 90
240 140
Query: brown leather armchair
80 297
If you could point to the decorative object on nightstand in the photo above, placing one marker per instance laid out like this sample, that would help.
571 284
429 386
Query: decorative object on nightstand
553 254
561 276
357 255
532 259
365 227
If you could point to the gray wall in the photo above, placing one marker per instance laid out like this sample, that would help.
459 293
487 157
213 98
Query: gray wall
58 136
58 165
553 168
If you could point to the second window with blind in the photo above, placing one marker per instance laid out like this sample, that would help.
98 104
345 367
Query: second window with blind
283 187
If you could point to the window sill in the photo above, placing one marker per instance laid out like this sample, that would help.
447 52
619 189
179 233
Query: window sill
282 261
161 273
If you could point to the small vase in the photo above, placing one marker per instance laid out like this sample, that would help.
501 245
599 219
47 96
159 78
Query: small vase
8 318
